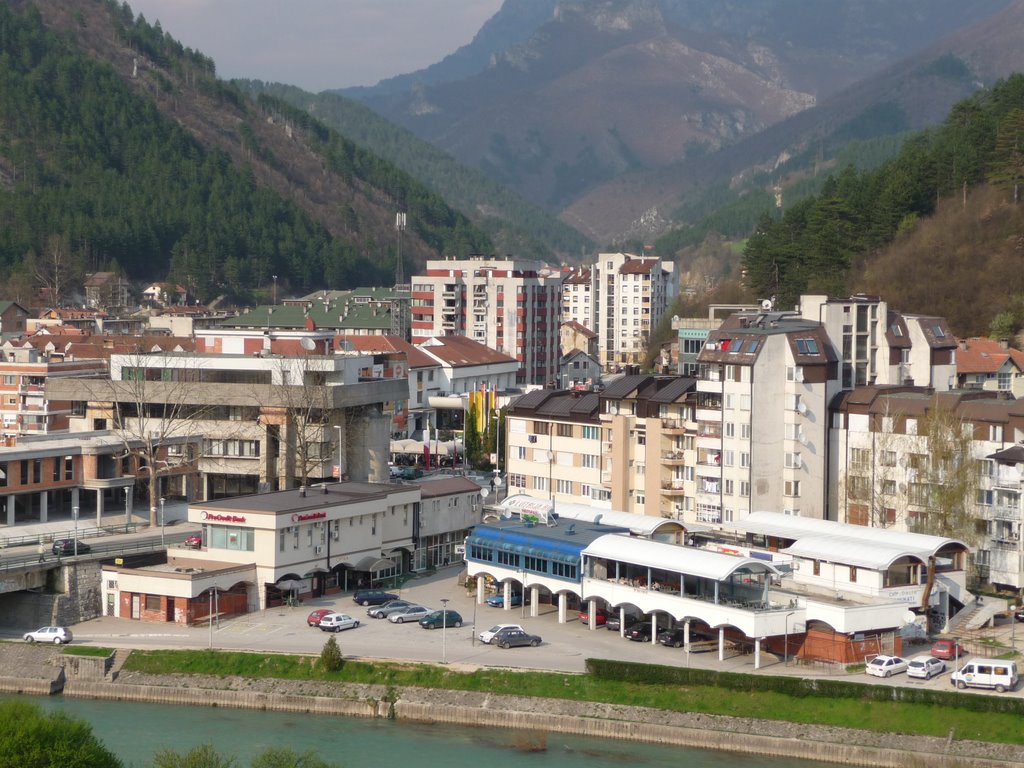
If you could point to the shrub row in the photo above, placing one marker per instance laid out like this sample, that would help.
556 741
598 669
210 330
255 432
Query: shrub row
799 687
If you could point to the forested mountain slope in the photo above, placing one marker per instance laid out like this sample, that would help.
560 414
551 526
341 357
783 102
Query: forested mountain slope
120 146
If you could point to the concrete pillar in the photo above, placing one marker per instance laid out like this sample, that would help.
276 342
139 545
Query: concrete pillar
378 446
74 498
686 633
757 653
654 629
591 614
479 590
99 507
342 453
507 596
10 509
534 601
622 621
44 503
721 644
563 603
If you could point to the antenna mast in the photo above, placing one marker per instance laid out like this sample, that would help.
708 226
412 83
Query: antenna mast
399 227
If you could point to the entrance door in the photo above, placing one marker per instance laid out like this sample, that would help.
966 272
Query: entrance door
110 604
170 610
136 607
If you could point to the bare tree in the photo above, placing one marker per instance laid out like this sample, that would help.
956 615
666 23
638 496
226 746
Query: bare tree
57 269
952 479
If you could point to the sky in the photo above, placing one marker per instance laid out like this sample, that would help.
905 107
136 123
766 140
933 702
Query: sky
320 44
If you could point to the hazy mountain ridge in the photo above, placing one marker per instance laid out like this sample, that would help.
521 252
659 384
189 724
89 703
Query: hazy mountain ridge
606 89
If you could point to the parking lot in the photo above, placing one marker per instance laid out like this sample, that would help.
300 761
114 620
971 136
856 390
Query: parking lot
565 647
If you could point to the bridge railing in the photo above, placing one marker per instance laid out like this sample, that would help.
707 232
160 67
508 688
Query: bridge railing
84 531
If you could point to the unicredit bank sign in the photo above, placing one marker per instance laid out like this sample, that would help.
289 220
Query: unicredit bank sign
213 517
297 518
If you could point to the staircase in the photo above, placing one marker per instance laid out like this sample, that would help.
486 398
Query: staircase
975 615
117 661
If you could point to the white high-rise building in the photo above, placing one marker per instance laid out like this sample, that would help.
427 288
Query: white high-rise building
510 305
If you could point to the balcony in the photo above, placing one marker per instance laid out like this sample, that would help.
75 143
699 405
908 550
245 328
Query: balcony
673 458
1007 477
673 426
606 446
709 429
670 489
1004 512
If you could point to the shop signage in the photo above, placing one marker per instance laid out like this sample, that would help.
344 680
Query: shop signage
308 516
222 518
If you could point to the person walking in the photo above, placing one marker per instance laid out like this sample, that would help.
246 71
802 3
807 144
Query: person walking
42 552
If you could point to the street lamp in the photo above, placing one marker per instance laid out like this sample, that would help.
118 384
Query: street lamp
162 521
127 513
214 605
74 516
444 628
496 485
785 657
275 289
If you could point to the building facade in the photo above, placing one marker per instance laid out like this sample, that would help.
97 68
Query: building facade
509 305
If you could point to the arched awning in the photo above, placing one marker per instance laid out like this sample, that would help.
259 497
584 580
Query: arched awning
371 564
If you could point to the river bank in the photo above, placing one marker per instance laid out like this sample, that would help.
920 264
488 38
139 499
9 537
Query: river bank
34 670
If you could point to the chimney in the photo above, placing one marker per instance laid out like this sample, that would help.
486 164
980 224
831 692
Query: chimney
1004 344
963 345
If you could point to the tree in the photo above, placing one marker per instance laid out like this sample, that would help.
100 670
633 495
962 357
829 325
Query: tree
471 437
57 270
31 739
952 479
1008 158
203 756
331 659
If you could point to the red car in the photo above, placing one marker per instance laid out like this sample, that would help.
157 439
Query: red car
313 619
947 649
194 540
600 618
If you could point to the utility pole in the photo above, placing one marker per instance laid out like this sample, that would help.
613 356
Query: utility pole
400 228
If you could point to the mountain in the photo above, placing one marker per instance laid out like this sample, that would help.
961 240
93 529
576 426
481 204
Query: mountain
514 225
606 88
121 147
914 93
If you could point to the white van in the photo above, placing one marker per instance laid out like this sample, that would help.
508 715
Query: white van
986 673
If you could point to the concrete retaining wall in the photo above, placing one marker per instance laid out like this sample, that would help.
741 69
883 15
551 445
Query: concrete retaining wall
318 705
34 686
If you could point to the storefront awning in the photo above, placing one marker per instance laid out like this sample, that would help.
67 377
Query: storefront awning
372 564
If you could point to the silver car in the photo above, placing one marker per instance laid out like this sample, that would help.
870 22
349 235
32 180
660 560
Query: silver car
55 635
926 667
384 610
411 614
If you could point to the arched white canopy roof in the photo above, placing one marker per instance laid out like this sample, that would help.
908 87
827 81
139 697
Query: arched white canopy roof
841 542
703 563
638 525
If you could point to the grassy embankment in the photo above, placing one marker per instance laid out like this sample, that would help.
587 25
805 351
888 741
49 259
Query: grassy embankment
927 720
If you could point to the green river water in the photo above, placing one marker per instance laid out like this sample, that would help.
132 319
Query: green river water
136 731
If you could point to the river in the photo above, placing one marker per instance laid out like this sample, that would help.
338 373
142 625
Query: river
136 731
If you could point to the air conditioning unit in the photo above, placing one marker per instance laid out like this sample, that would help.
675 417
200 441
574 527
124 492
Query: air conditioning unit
319 550
801 408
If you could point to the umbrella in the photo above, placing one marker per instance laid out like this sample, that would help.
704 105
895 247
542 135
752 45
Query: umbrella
289 585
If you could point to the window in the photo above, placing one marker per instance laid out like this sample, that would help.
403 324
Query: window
995 433
807 346
887 458
541 428
744 402
859 487
730 429
793 460
565 570
853 574
794 373
540 483
744 488
153 602
860 458
590 461
564 486
728 488
817 567
564 430
745 431
744 459
728 458
591 433
520 452
791 488
508 558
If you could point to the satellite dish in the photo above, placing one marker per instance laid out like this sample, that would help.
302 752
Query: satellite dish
909 617
801 407
766 305
307 343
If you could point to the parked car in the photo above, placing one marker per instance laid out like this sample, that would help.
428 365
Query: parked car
514 638
613 622
372 596
335 622
55 635
67 547
498 600
1019 614
411 613
673 637
317 616
194 541
488 634
926 667
986 673
886 666
600 617
947 650
384 610
439 619
640 632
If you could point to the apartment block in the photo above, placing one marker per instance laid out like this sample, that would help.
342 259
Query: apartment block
509 305
886 470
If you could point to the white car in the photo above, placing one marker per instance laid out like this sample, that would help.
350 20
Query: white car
335 622
55 635
926 667
884 666
488 634
411 614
